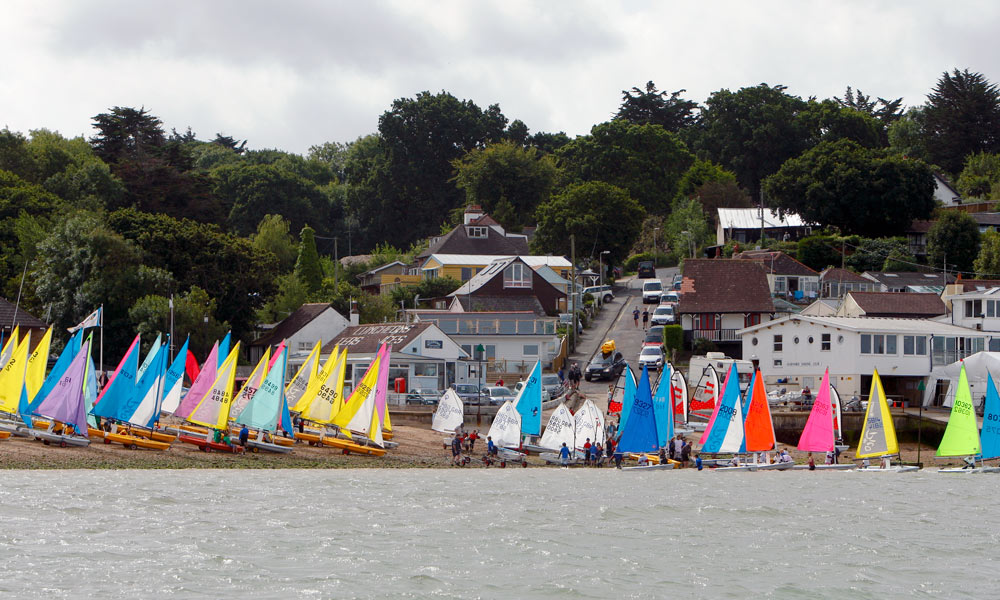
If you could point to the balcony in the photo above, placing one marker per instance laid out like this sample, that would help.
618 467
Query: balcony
713 335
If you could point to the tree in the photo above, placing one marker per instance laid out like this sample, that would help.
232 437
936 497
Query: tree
652 107
646 160
127 134
953 239
601 216
886 111
507 180
987 263
548 143
292 293
981 177
272 236
871 254
193 314
900 259
687 226
856 189
961 117
819 251
307 267
829 121
906 136
255 189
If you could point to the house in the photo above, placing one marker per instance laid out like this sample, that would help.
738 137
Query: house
509 284
721 297
785 275
301 330
798 349
422 355
916 237
978 309
384 279
836 282
945 193
908 281
11 317
744 225
478 234
464 266
966 285
891 305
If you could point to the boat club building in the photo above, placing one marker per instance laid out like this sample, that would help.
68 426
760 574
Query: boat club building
795 351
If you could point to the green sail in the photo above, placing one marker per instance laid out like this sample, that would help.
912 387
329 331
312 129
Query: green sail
961 437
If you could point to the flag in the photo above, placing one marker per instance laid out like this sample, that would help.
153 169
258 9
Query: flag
92 320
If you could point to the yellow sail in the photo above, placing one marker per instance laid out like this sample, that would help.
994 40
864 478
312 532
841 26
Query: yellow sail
8 347
12 377
362 393
34 373
328 398
387 424
213 408
315 380
878 435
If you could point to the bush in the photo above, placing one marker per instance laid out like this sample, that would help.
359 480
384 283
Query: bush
673 337
703 346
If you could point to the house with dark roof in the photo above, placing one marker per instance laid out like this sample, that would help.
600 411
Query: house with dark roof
785 276
835 282
509 284
384 279
908 281
721 297
11 317
301 330
891 305
478 234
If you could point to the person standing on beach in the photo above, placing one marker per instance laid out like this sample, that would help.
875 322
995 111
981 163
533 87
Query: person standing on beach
685 454
812 463
244 436
564 455
456 449
586 452
472 439
697 461
635 317
491 448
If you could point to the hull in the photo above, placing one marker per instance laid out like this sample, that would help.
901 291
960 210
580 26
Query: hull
552 458
58 439
838 467
778 466
743 468
666 467
4 435
158 436
207 446
95 433
892 469
15 429
256 446
132 442
351 448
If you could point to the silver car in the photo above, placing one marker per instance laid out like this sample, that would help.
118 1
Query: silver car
651 357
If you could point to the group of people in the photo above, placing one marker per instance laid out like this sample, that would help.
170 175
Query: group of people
594 455
466 441
645 317
571 378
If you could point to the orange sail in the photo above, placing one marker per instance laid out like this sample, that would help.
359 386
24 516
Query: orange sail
758 426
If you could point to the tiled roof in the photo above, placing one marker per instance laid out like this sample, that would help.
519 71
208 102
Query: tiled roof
901 279
724 286
366 339
920 226
899 304
457 241
971 285
501 304
842 275
291 324
778 263
24 318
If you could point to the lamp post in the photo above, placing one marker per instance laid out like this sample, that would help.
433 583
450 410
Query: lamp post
690 238
600 263
480 350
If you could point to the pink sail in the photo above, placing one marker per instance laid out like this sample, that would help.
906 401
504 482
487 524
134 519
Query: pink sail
817 436
206 378
382 382
107 386
274 357
718 403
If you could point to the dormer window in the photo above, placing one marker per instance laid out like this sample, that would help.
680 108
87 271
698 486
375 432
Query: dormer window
477 232
517 275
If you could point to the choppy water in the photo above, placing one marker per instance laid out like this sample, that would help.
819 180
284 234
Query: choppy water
496 534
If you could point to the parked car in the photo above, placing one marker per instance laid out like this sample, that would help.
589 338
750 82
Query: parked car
669 298
651 357
552 384
605 367
676 285
646 269
423 396
655 329
600 291
651 291
653 339
545 393
664 315
495 395
468 392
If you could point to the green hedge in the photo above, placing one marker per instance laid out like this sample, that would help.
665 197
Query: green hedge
673 337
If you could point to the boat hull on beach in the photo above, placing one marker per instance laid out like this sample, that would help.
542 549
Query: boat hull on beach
256 446
58 439
837 467
132 442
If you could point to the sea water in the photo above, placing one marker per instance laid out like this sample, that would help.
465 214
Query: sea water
515 533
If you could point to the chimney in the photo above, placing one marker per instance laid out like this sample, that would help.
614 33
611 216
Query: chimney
472 213
355 317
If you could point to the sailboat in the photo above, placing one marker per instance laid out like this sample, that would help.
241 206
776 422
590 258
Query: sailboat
878 435
561 429
212 409
820 433
266 408
359 417
34 377
250 386
202 383
663 407
12 387
304 377
961 436
506 433
65 404
679 400
990 436
705 395
725 434
137 407
449 414
8 346
529 403
173 382
639 434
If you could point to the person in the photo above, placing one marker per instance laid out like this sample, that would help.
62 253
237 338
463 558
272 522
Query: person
217 437
643 460
671 449
472 439
829 457
645 318
865 464
806 393
611 429
812 463
785 457
491 448
697 462
836 454
244 435
302 424
885 463
574 376
586 452
599 462
635 316
663 455
618 459
500 382
266 436
734 462
564 455
456 449
562 374
685 454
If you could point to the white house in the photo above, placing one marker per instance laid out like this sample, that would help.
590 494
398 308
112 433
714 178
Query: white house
785 275
743 225
796 350
978 309
311 323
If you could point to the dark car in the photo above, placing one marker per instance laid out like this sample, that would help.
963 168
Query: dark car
605 367
646 270
423 396
468 392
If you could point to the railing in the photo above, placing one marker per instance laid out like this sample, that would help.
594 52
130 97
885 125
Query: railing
714 335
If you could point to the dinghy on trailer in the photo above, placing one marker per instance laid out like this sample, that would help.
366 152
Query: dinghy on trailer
266 408
65 404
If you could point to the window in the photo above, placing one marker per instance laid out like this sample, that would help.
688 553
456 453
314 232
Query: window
777 362
878 344
467 273
890 344
425 369
430 273
777 344
477 232
306 346
824 342
707 321
751 319
780 285
530 350
914 345
467 348
973 308
921 346
991 308
866 343
908 345
517 275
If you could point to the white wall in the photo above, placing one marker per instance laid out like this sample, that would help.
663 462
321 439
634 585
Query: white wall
325 327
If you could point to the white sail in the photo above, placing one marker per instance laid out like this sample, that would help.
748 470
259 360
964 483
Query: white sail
589 425
449 415
560 429
506 428
679 391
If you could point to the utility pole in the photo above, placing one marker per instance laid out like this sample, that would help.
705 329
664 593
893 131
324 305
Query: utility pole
572 287
761 218
336 266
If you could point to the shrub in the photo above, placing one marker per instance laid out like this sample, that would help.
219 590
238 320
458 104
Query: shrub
673 337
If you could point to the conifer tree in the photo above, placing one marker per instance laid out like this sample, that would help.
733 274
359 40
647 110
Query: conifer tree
307 267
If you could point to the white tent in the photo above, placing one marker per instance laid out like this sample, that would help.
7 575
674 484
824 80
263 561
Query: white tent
977 367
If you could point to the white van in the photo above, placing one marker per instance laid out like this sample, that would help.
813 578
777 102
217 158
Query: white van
651 291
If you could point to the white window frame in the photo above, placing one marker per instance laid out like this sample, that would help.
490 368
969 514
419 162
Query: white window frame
478 232
517 276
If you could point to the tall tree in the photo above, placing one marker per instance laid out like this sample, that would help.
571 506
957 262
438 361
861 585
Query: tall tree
886 111
987 263
194 314
272 236
307 266
253 190
953 239
980 178
962 116
127 133
860 190
653 107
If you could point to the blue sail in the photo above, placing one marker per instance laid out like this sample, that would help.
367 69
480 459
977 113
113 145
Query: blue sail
529 402
727 429
628 397
90 391
129 409
121 387
267 405
640 434
662 408
224 349
62 363
990 437
176 370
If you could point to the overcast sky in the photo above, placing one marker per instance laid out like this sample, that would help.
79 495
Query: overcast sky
293 73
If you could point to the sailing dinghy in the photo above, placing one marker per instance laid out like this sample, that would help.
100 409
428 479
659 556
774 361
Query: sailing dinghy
65 404
819 434
506 433
561 429
639 434
878 435
961 436
266 408
450 413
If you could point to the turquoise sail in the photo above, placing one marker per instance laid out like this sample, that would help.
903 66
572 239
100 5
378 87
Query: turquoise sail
120 389
142 407
990 437
529 402
662 409
640 434
268 403
62 363
150 356
176 370
628 398
224 349
90 391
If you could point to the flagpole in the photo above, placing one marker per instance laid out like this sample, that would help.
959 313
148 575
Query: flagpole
102 339
170 347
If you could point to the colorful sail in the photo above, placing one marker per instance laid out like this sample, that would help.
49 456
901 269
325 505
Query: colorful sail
143 407
758 427
358 411
529 402
173 382
90 391
878 435
120 387
639 433
251 385
450 412
264 410
679 393
34 372
589 424
191 366
276 355
726 432
662 408
560 429
990 438
312 383
628 398
65 402
12 377
213 408
328 396
506 427
817 435
711 383
381 406
150 356
8 347
961 436
62 363
835 405
707 391
200 386
224 349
